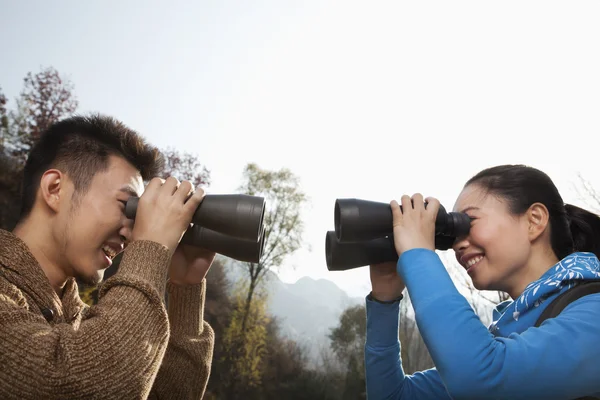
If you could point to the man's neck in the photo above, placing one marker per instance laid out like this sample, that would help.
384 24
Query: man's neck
40 242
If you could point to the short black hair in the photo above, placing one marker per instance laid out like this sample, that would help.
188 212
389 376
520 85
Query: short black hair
80 146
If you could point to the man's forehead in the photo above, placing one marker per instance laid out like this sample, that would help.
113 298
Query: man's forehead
131 190
134 187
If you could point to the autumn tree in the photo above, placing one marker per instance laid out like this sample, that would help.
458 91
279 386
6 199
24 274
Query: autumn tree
246 336
185 166
3 120
283 227
46 97
244 347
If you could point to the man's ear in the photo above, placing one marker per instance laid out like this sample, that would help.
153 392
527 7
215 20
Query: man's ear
538 218
52 188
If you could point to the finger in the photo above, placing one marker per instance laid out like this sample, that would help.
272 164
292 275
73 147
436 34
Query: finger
396 212
171 184
418 202
433 206
185 190
191 205
406 203
152 188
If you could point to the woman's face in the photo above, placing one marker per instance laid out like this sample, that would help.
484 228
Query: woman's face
497 248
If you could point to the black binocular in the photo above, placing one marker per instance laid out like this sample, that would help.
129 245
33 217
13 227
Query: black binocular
364 233
228 224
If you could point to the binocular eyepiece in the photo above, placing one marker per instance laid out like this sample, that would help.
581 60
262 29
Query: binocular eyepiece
364 233
228 224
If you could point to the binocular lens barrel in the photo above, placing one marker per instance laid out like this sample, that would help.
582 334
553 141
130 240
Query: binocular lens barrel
342 256
358 220
236 248
363 233
236 215
228 224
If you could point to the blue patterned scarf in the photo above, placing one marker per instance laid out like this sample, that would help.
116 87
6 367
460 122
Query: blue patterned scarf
518 315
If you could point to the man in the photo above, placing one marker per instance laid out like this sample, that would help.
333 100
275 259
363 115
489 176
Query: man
77 181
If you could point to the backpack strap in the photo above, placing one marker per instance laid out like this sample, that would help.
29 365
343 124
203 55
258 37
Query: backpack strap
564 299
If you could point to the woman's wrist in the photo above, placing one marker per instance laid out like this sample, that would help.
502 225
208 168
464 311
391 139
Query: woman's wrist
385 298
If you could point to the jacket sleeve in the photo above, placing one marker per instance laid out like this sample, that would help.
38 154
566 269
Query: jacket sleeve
558 360
384 375
115 352
186 366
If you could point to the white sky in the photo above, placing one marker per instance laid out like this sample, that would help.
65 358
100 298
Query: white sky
360 99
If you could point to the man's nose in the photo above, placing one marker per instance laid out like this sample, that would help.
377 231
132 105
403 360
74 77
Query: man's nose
126 231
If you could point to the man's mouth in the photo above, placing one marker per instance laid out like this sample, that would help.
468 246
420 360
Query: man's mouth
109 251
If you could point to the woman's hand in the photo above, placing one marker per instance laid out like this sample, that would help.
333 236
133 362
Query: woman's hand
414 225
386 284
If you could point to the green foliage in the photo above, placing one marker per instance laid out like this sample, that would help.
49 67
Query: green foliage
347 343
347 339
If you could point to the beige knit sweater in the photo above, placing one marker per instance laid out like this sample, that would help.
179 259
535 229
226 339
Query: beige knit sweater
128 346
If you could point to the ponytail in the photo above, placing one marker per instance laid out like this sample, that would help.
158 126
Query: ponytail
585 229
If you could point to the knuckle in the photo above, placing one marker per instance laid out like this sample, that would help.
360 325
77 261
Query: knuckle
187 184
157 181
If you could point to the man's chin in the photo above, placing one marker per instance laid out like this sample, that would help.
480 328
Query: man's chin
93 279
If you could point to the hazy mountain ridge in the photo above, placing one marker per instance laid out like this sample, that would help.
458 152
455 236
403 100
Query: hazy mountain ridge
306 309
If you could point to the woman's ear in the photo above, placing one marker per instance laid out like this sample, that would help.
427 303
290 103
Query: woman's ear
538 218
52 188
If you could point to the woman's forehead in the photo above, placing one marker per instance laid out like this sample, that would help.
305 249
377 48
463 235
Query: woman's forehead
472 196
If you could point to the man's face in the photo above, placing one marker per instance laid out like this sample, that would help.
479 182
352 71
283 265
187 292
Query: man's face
92 228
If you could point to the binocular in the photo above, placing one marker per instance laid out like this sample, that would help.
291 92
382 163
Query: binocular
228 224
363 233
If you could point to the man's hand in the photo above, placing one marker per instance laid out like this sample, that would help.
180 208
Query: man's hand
165 210
190 264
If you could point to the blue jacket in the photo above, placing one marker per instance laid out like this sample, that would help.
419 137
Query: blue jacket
558 360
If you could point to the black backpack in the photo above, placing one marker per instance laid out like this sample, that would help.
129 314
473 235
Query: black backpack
564 299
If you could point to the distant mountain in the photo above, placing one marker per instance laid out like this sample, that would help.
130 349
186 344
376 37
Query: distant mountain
306 309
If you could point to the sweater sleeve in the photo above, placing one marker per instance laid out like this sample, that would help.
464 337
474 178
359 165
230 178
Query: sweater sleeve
385 378
558 360
115 352
186 366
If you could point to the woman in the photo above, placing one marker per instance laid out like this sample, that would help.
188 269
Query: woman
524 241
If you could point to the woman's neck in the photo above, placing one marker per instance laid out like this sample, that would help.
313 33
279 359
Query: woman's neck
537 265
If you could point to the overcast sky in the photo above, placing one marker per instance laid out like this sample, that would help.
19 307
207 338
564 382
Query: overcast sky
360 99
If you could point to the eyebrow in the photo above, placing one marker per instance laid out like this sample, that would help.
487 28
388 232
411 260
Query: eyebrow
469 209
128 189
